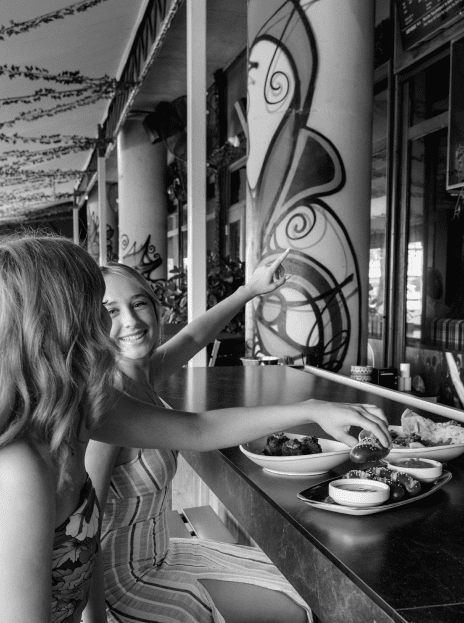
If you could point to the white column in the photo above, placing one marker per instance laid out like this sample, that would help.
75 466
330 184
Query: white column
94 235
102 209
93 228
196 163
142 202
310 95
76 225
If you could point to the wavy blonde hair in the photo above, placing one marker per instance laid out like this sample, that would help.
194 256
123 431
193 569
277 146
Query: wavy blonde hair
57 361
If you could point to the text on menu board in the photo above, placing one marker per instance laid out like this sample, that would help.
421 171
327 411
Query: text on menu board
420 18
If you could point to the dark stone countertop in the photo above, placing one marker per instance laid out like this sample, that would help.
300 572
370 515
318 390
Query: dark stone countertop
399 565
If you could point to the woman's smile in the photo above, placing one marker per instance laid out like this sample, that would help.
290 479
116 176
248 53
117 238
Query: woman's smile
134 337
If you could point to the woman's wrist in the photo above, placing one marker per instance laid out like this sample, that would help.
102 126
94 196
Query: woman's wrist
244 294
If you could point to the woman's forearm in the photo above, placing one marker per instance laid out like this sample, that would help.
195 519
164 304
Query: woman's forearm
132 423
175 353
206 327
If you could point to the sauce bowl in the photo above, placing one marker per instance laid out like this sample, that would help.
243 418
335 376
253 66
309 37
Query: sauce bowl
358 492
423 470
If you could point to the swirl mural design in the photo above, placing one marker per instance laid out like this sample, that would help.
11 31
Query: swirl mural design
143 257
292 170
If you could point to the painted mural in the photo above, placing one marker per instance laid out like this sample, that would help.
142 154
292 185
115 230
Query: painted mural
292 172
143 256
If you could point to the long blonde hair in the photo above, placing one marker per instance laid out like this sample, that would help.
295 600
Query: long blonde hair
57 361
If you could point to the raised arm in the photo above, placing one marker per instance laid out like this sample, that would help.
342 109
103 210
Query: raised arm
197 334
153 427
27 518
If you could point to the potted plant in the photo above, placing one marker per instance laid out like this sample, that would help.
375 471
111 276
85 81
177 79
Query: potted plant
224 276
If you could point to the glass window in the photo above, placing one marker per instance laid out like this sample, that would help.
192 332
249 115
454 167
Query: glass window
435 260
236 91
432 289
378 228
430 91
237 185
233 240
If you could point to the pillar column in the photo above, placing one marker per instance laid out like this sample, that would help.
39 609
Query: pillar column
310 94
142 202
93 223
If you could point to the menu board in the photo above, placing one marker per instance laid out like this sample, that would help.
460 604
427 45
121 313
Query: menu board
419 19
455 167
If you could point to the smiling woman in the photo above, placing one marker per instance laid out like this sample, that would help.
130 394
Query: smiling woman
134 312
140 480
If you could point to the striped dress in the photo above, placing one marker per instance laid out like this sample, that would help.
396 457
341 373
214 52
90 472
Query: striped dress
150 577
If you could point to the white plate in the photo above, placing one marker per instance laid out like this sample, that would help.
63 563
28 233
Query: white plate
349 510
333 453
437 453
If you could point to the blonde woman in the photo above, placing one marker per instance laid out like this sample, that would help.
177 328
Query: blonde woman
56 373
149 576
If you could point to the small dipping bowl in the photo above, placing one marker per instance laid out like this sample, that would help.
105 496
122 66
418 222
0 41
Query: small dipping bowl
250 361
268 360
424 470
358 492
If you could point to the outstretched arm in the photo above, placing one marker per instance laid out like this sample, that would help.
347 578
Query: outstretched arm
172 355
153 427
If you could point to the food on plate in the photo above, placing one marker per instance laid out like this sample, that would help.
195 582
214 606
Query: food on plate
368 449
279 444
401 485
408 441
421 431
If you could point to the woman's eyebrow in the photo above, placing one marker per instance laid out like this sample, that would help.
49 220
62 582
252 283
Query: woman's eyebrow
134 296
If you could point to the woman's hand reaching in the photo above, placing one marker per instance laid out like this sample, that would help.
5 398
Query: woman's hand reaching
266 279
336 418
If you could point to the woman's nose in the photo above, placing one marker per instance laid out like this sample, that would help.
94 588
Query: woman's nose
128 318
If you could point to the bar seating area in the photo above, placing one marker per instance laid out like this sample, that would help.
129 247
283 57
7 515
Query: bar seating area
400 566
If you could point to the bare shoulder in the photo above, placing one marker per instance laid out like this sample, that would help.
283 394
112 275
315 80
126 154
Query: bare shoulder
25 467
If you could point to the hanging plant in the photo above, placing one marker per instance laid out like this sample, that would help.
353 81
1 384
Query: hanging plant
13 176
50 139
41 197
91 91
24 157
16 28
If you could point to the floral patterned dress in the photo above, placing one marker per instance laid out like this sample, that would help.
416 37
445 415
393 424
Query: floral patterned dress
74 552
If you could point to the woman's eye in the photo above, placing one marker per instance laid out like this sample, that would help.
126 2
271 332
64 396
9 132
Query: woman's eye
111 312
139 304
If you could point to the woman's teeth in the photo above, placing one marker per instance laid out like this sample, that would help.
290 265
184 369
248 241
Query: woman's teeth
133 338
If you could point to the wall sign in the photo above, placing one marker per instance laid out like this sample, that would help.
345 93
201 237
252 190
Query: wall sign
419 19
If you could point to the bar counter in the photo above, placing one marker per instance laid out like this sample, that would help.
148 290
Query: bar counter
403 565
